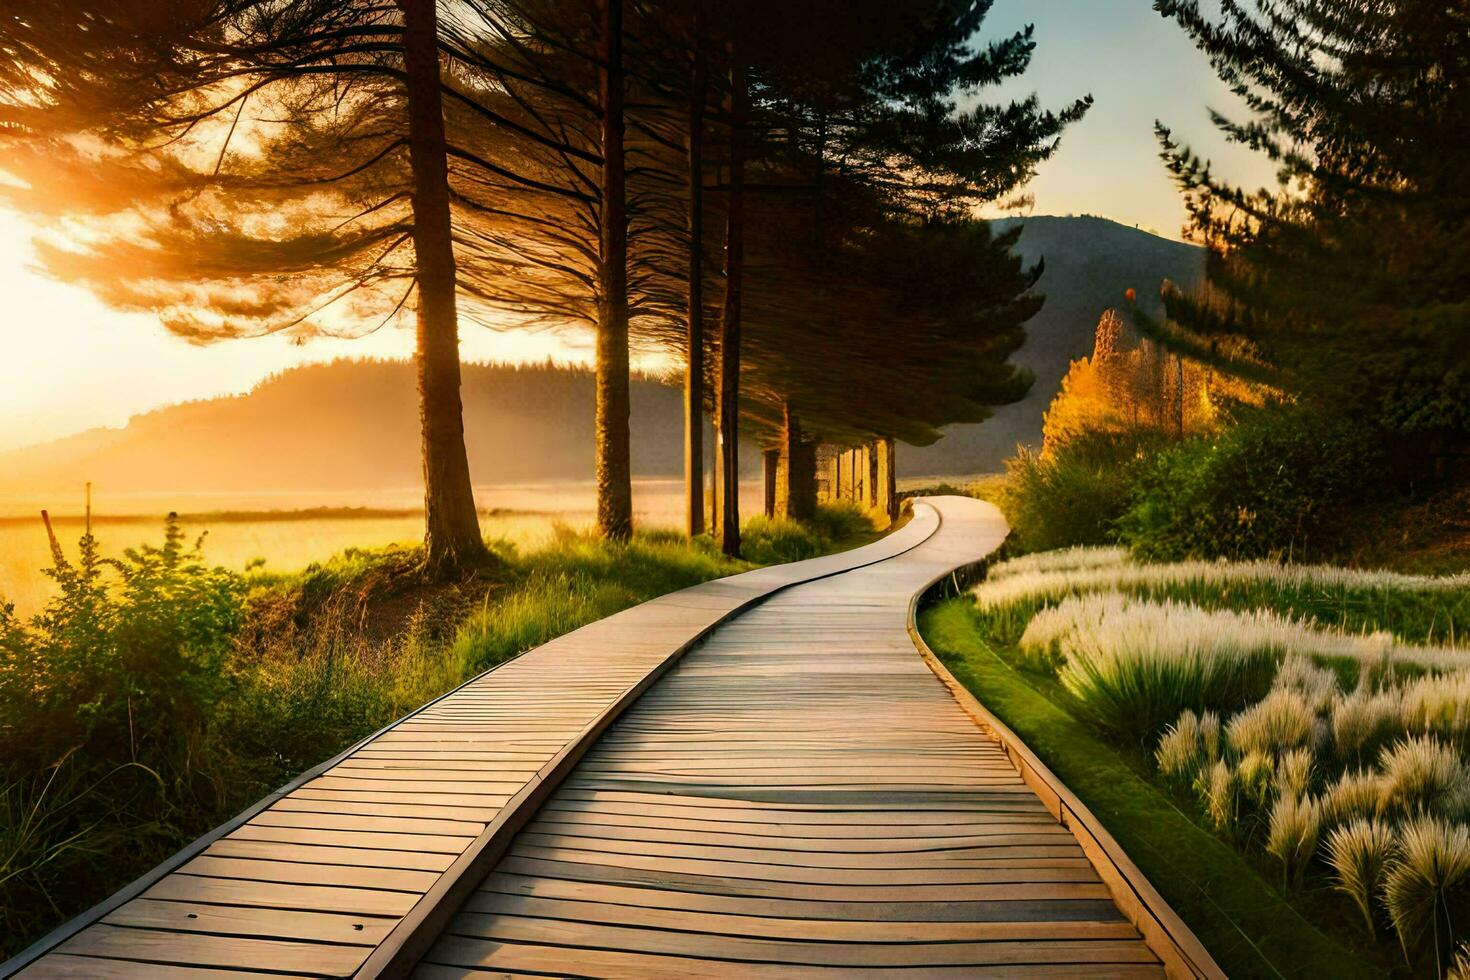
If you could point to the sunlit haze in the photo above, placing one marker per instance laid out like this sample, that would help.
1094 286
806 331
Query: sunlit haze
64 351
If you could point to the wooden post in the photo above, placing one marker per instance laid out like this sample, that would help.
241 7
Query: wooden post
830 464
770 461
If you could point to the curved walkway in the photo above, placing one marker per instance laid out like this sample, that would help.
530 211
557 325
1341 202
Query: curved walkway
758 776
800 794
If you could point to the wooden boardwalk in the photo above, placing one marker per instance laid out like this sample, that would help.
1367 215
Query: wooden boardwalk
796 793
800 792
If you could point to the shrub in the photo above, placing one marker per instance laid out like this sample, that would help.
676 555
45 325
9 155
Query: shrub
1071 496
776 540
1272 484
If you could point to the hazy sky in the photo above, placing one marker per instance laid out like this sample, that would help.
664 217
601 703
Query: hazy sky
68 363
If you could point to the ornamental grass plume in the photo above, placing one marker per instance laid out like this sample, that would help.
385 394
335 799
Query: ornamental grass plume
1437 703
1365 720
1355 795
1317 685
1216 787
1294 772
1433 861
1180 752
1358 852
1209 735
1073 559
1254 774
1133 666
1421 774
1281 720
1194 577
1292 838
1460 965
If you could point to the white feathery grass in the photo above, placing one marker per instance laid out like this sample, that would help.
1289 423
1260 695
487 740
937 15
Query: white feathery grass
1317 685
1254 774
1433 860
1082 557
1279 721
1355 795
1216 788
1422 774
1134 665
1358 853
1437 704
1209 735
1460 965
1180 752
1365 719
1107 617
1294 772
1040 583
1292 840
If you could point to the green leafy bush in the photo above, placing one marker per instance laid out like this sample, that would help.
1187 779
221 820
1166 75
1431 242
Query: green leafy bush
1072 496
1271 485
775 540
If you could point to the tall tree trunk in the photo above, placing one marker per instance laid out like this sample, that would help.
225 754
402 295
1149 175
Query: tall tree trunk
728 409
452 541
887 478
614 465
798 494
770 473
694 370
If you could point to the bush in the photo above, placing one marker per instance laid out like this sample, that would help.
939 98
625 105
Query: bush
1071 496
1272 485
776 540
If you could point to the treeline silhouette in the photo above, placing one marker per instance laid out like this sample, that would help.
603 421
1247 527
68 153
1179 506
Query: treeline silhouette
351 425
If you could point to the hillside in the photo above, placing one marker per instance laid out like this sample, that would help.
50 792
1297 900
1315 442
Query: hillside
1089 263
353 425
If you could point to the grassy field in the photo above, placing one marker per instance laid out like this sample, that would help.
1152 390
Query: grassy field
286 532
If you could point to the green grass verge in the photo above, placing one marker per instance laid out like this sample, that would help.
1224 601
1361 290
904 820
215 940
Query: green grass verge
1245 921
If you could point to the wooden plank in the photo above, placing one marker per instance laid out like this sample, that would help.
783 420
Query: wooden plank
213 951
351 930
65 966
852 955
770 927
487 954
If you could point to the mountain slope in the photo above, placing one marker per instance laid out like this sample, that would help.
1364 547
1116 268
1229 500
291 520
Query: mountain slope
352 425
1089 263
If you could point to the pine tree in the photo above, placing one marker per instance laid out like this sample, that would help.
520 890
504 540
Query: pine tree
1352 278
